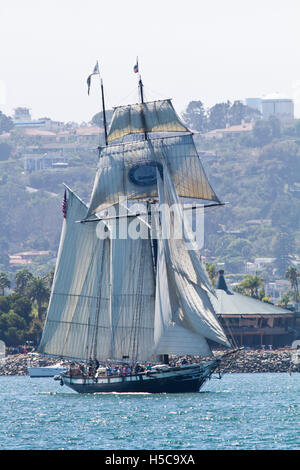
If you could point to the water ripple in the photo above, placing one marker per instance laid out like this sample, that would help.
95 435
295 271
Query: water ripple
242 411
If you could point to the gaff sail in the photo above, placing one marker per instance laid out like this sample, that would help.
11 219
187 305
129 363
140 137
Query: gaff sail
103 294
79 299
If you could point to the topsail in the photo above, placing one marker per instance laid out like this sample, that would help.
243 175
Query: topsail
128 171
156 116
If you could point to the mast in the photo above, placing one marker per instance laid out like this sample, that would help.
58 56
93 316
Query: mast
141 89
103 106
103 110
96 71
141 86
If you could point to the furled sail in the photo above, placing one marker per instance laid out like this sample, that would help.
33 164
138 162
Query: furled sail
188 284
154 116
79 302
128 171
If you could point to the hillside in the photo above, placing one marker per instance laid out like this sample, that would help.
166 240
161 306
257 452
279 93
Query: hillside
259 183
261 187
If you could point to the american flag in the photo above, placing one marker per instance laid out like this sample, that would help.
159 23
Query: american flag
136 67
64 205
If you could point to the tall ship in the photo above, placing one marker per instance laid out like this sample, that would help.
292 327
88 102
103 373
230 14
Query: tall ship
131 300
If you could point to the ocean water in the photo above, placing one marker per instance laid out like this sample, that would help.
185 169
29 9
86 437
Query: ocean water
238 412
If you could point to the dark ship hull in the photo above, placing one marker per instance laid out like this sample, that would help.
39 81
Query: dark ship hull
183 379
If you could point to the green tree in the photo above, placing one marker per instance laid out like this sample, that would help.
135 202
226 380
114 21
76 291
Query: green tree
22 280
195 116
239 112
262 132
5 151
38 291
21 306
4 304
238 247
97 119
12 328
250 285
218 116
212 272
49 277
285 299
4 282
6 123
292 274
275 126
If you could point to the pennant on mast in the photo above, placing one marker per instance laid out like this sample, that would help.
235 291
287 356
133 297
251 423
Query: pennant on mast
95 72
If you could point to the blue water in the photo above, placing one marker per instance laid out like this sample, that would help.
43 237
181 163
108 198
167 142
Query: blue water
239 412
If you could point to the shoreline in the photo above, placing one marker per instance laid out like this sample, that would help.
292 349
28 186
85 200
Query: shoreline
245 361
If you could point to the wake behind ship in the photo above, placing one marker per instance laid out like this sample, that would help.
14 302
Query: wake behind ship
119 298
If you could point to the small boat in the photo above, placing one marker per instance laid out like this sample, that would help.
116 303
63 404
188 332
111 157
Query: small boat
47 371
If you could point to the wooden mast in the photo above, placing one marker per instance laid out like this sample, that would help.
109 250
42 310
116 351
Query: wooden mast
141 86
103 110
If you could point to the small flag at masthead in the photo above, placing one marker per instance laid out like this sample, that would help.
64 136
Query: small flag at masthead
95 72
136 67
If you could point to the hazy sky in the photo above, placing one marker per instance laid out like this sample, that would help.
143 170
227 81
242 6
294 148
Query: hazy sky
208 50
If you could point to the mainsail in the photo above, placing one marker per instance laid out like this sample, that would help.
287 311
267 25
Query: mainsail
153 116
128 171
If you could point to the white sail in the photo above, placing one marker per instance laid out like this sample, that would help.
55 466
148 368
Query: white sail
187 280
132 297
129 171
170 336
77 313
154 116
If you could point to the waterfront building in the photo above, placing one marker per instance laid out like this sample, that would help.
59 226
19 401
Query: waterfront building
250 321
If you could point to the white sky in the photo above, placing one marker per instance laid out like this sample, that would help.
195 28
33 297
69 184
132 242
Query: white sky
208 50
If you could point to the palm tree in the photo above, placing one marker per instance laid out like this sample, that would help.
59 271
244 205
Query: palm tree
38 290
22 280
49 277
4 282
211 271
251 284
292 274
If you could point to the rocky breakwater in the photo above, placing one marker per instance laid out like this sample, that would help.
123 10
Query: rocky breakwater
17 364
247 361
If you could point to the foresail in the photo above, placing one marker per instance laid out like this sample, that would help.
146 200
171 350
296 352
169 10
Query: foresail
79 301
155 116
187 280
128 171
